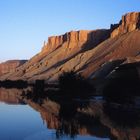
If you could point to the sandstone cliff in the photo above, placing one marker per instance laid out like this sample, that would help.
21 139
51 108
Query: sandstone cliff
79 37
10 66
85 52
129 22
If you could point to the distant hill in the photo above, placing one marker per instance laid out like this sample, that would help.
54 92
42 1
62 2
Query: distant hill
93 53
10 66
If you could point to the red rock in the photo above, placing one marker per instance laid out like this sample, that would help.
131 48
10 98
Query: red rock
81 36
10 66
129 22
84 51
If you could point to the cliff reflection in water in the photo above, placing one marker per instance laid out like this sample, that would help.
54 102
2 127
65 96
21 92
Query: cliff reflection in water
10 96
72 117
81 117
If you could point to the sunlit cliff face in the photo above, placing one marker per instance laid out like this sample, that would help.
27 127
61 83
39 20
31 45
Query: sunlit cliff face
84 52
10 66
129 23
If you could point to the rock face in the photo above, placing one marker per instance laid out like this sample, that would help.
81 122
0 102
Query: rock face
79 37
129 22
58 51
85 52
10 66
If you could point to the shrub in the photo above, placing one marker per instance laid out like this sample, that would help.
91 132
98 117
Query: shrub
74 84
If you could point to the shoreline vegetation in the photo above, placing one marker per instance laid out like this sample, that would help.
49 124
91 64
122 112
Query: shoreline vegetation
121 87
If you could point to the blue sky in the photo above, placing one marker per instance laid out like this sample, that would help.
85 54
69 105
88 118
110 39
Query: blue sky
25 24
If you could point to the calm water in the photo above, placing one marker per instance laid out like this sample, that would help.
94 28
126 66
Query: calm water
21 122
53 120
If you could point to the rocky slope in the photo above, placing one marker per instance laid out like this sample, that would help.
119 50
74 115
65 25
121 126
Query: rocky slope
85 52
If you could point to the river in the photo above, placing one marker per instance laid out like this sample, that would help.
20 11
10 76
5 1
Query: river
51 120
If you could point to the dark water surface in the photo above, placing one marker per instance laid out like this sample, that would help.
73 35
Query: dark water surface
52 120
